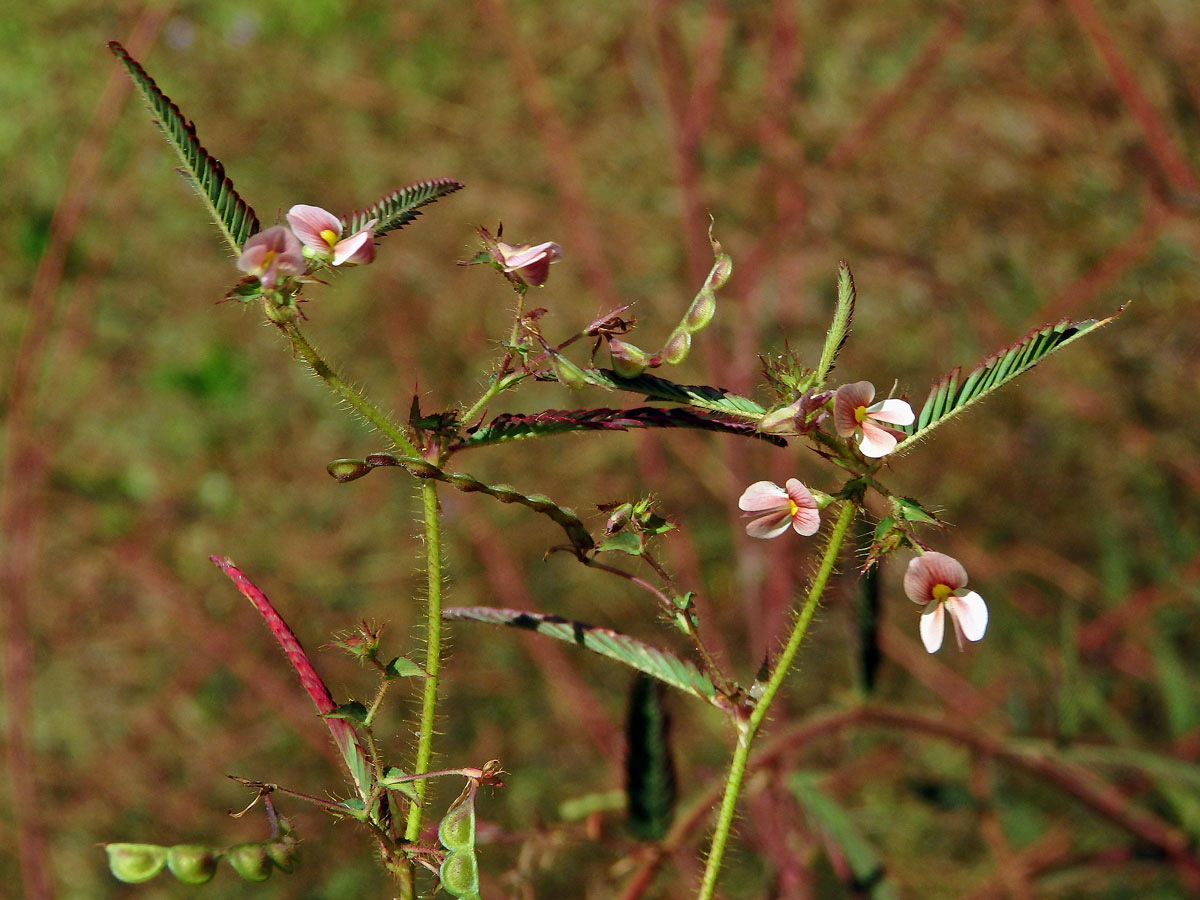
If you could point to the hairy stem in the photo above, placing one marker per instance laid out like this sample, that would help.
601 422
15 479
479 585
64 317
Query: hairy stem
347 392
433 650
748 729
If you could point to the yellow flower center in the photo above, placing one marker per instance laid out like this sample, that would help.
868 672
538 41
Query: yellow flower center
267 259
329 236
792 507
941 592
860 413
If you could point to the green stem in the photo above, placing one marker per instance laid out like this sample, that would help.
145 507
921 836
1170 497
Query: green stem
747 730
356 401
433 650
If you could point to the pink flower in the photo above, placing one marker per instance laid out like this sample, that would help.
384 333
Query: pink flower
530 264
320 231
851 413
937 581
272 253
775 508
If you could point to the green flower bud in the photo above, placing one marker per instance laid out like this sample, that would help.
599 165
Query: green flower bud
251 861
135 863
192 863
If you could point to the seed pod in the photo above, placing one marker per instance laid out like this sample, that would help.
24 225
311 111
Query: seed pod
460 875
251 861
344 470
568 373
675 350
192 863
700 313
628 361
135 863
283 853
457 829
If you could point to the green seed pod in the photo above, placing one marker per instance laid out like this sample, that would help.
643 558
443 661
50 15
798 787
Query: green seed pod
700 313
457 829
344 470
283 853
251 861
675 350
192 863
568 373
628 361
460 875
135 863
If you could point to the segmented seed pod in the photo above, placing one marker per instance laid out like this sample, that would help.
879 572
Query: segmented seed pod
192 863
457 828
628 361
675 350
460 875
135 863
700 313
344 470
568 373
251 861
283 853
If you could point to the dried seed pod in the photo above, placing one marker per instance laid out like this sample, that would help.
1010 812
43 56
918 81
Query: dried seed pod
192 863
135 863
251 861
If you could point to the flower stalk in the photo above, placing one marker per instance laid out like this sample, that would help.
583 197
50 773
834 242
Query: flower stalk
749 728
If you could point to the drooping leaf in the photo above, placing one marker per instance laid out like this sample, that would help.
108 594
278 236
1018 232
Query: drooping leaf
395 210
649 768
825 813
403 667
581 540
233 215
353 752
661 664
952 394
512 426
352 712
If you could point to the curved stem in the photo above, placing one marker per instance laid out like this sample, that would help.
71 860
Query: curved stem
433 650
747 729
347 392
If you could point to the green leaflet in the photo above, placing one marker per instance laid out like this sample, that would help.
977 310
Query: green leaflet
699 395
952 393
649 768
395 210
233 215
661 664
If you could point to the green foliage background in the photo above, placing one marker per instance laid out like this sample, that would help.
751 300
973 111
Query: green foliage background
979 165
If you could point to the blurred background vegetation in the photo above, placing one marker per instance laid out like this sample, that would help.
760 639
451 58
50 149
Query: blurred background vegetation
984 168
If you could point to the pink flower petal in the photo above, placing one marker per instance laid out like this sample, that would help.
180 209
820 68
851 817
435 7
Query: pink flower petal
876 440
771 525
357 249
846 401
272 253
806 519
933 628
310 224
897 412
764 496
970 615
929 570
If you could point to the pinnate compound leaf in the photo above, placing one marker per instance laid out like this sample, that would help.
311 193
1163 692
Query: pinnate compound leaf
395 210
233 215
649 768
702 396
661 664
512 426
952 394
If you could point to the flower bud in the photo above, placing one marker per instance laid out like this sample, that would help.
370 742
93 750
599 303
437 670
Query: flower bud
135 863
192 863
251 861
628 361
